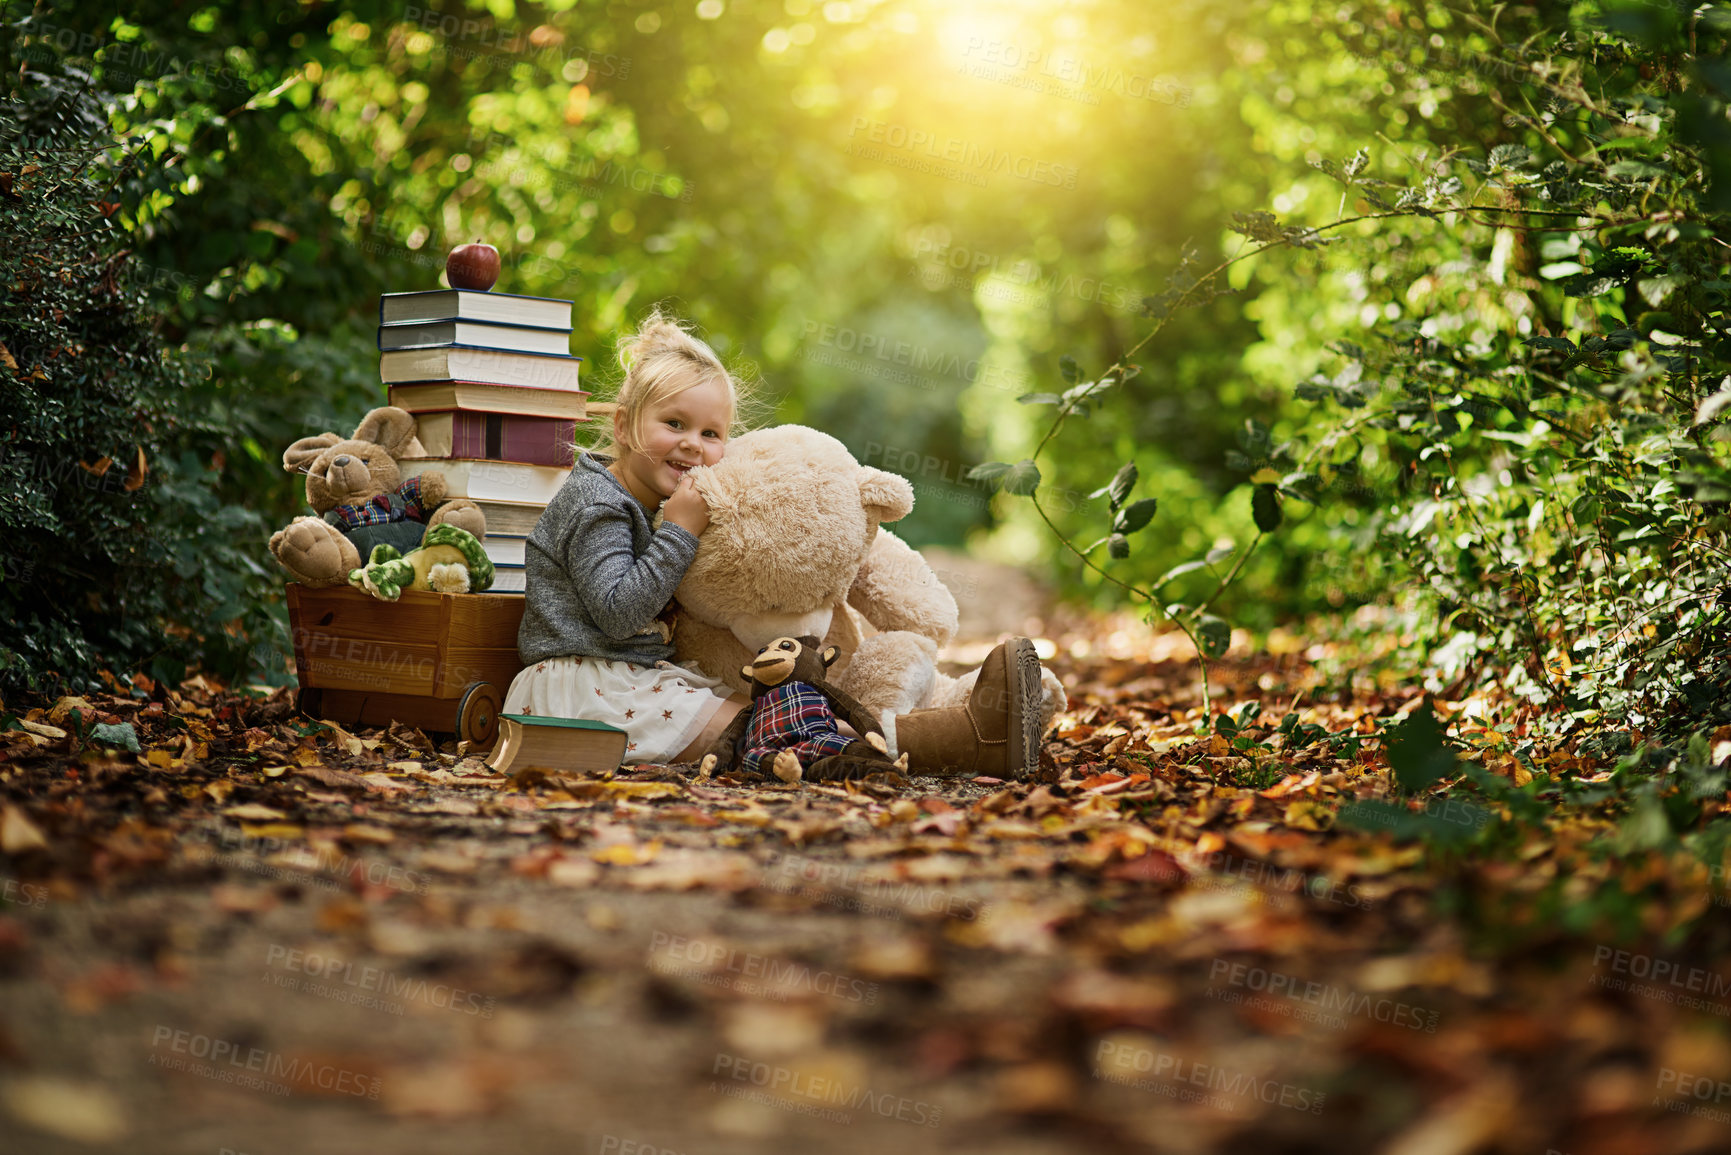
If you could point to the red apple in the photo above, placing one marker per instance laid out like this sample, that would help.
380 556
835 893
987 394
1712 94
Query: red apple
473 266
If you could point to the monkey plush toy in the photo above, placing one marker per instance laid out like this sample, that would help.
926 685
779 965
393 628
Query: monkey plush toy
792 726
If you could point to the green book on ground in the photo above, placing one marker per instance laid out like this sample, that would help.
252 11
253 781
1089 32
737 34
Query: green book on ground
560 745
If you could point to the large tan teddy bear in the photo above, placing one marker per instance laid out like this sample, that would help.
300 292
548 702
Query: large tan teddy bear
362 500
794 548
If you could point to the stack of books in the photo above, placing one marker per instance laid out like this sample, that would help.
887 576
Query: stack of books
493 386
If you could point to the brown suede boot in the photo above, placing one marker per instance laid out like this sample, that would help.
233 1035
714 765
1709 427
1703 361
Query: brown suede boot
996 733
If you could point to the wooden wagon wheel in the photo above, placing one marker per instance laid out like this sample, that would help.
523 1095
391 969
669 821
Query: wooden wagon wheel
309 701
478 714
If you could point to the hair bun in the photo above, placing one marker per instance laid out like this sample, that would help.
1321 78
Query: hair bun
660 334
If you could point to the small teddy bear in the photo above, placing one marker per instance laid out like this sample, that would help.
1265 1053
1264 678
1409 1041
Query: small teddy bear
356 487
792 721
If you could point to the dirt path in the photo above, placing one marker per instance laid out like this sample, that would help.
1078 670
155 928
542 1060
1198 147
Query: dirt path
265 937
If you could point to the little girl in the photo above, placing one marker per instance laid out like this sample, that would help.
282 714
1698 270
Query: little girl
599 573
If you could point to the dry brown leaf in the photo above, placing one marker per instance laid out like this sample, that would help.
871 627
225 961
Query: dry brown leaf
83 1112
18 834
576 872
627 853
254 812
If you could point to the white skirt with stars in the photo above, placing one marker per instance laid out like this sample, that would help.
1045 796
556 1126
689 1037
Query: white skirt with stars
663 708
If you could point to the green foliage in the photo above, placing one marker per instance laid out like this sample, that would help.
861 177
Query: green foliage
1533 429
119 554
1417 753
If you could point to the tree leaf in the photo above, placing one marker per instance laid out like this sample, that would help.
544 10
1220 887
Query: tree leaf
1265 508
1215 634
1179 571
1022 478
991 471
1069 370
1119 487
1135 515
1040 399
1417 752
1711 407
1118 546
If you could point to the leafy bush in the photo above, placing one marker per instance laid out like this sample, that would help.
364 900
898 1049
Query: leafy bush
1535 432
119 554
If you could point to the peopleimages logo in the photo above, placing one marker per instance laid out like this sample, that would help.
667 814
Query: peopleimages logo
850 888
1693 988
813 1094
1322 1003
962 153
1119 1062
355 985
229 1062
761 976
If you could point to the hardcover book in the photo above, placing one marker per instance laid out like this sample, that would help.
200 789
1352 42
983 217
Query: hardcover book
481 480
474 305
509 519
499 436
504 549
569 745
474 335
481 367
444 396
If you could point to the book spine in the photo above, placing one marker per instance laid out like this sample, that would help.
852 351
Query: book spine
538 442
509 437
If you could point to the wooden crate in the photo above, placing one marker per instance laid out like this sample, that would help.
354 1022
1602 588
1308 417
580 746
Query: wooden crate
441 662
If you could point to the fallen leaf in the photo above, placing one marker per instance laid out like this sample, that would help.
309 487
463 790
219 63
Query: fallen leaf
82 1112
1292 783
253 812
576 872
61 712
18 834
627 853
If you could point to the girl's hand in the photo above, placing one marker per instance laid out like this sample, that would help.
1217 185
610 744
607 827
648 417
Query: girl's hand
686 508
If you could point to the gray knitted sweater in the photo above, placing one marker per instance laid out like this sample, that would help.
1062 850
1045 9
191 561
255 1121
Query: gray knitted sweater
597 573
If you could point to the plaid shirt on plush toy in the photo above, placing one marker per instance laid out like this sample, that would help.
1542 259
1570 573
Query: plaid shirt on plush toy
792 716
381 509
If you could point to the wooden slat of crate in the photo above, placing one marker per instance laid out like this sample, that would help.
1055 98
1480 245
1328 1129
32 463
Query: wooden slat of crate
358 708
425 644
465 664
345 612
360 664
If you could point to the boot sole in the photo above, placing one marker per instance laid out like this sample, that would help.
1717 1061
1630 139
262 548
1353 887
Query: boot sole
1024 669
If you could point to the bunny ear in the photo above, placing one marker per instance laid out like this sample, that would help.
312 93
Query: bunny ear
389 427
297 457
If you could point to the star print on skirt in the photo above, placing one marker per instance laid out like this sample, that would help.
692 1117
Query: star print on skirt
662 707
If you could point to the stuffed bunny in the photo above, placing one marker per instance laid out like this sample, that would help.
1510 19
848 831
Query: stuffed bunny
356 488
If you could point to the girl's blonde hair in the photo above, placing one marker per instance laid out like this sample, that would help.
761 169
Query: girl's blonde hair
660 360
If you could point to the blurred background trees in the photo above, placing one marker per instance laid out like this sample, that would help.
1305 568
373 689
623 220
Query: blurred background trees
901 215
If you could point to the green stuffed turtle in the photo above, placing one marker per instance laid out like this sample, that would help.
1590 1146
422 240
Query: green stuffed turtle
449 561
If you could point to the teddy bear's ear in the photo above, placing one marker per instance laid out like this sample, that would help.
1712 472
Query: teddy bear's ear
829 655
390 428
886 496
299 456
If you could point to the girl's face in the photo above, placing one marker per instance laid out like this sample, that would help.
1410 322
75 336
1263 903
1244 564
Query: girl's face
674 436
